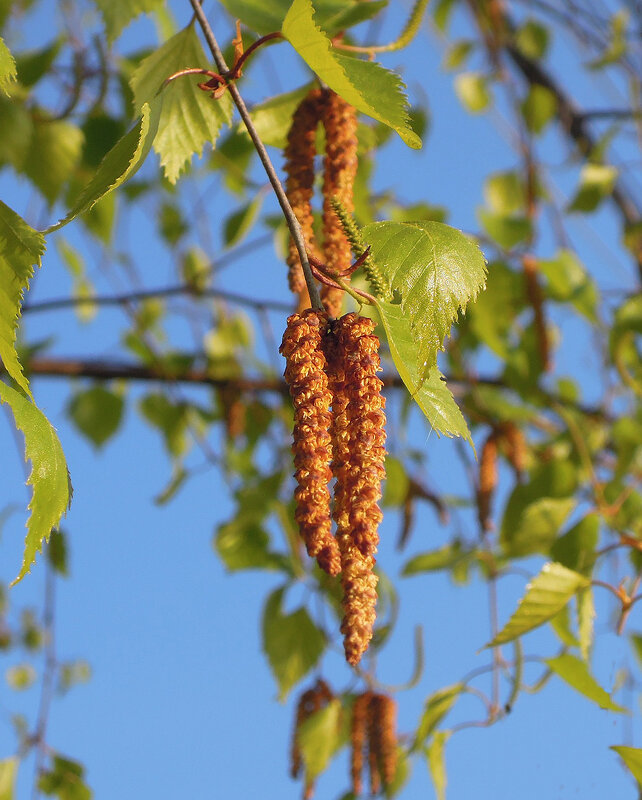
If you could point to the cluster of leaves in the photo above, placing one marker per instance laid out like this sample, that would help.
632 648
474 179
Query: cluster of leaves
577 498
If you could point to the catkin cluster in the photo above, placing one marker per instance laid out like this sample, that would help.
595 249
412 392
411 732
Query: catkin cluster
339 431
310 702
340 167
510 440
373 735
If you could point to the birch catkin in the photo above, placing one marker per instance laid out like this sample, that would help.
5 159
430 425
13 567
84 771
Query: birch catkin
358 437
299 185
305 374
340 169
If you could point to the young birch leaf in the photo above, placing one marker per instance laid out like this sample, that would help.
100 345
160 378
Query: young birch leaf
120 163
585 619
437 763
429 390
21 247
319 737
435 270
632 757
292 642
545 595
8 72
8 771
437 706
54 151
575 673
369 87
117 14
189 117
49 475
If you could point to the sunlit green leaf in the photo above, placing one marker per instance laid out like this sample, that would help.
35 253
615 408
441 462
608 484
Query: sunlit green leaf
504 192
35 64
539 108
189 117
21 248
65 779
507 231
567 281
435 270
292 642
437 763
96 413
632 757
576 548
243 543
49 476
436 708
8 772
57 552
546 594
444 558
395 488
120 163
241 221
334 15
117 14
575 672
20 677
472 90
430 393
596 183
370 88
585 620
319 738
8 70
561 624
273 117
532 39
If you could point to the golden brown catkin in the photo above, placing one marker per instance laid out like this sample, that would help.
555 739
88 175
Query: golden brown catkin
383 738
299 186
340 169
305 374
515 447
487 481
534 295
358 438
358 740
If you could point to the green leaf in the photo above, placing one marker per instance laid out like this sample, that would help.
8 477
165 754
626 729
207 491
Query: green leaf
292 642
567 281
435 560
532 39
65 780
436 708
319 737
395 488
241 221
8 772
561 624
429 392
596 182
472 90
575 673
537 525
504 192
242 543
576 548
20 677
539 108
189 117
545 596
120 163
57 552
335 15
436 271
117 14
507 231
21 247
436 762
49 475
369 87
585 620
97 413
35 64
8 72
273 117
632 757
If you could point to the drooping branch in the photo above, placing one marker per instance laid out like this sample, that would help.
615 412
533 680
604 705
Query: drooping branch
290 217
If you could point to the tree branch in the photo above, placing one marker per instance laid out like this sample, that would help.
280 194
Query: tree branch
290 217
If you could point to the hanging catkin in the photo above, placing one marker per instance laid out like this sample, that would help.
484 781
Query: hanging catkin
299 185
340 169
487 481
382 740
358 740
305 374
358 437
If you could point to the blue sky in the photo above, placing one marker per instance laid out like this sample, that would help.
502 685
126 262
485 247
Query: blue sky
181 701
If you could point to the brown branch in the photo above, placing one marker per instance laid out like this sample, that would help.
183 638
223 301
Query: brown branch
290 217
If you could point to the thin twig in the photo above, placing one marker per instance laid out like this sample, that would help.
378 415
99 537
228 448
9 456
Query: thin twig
290 217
